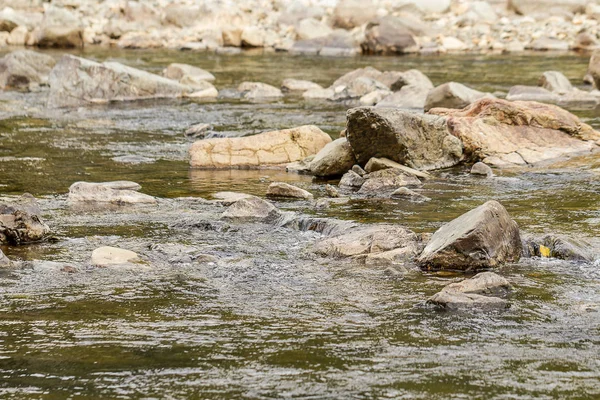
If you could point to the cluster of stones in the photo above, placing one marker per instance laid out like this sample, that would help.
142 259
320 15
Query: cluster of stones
326 27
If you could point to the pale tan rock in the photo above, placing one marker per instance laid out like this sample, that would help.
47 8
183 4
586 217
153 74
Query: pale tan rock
282 189
269 148
178 71
109 256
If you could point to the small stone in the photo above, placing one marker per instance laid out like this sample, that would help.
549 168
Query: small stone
351 180
282 189
334 159
258 90
376 164
555 82
132 159
410 195
199 130
296 85
109 256
456 301
228 198
481 169
252 209
358 169
332 191
119 192
4 261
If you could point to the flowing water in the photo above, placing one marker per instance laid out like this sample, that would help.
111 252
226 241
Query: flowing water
248 311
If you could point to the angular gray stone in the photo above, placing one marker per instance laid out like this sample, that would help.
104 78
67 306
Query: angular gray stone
408 97
484 283
485 237
75 81
282 189
421 142
178 71
4 261
251 209
335 159
297 85
531 93
351 180
453 95
382 183
258 90
456 301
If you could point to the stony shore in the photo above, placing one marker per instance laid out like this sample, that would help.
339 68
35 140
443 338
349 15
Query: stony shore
325 27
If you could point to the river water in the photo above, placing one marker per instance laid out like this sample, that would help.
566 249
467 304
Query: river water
248 311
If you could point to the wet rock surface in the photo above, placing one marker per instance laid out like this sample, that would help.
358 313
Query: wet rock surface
485 237
21 222
120 192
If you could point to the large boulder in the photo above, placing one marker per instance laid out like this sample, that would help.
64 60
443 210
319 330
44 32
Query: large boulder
485 237
453 95
334 159
75 81
269 148
503 133
21 222
25 69
389 35
118 192
421 142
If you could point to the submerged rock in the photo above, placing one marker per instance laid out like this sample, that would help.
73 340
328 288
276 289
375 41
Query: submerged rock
21 222
282 189
453 95
258 90
118 192
296 85
484 237
178 72
111 256
364 240
410 195
25 69
503 133
484 291
334 159
269 148
75 81
252 209
421 142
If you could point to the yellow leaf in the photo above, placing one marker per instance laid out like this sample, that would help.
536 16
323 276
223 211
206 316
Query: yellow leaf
544 251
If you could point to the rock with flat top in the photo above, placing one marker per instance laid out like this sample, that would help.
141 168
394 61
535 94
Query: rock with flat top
282 189
119 192
113 256
75 81
269 148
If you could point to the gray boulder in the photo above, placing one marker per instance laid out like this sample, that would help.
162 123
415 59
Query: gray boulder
408 97
258 91
453 95
421 142
25 69
357 88
412 77
367 72
21 222
334 159
388 36
410 195
252 209
485 237
75 81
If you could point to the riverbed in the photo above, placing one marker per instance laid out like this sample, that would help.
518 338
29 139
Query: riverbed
222 311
